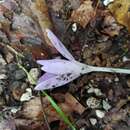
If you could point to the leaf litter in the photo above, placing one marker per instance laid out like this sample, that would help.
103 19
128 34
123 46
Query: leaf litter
101 39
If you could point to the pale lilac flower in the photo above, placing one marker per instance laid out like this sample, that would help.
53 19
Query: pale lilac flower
60 71
61 74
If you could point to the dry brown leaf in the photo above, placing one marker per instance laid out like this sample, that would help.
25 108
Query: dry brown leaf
33 110
83 14
120 10
110 26
40 10
36 51
72 104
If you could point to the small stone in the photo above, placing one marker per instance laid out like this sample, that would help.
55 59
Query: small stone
90 90
14 110
100 113
2 61
12 67
17 88
3 69
2 101
125 59
93 102
106 2
27 95
106 105
3 72
24 86
74 27
3 76
97 92
34 72
19 74
93 121
109 80
116 79
83 128
9 57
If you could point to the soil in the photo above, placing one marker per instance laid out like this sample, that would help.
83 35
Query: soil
103 97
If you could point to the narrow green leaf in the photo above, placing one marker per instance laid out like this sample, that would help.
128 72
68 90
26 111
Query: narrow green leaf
59 111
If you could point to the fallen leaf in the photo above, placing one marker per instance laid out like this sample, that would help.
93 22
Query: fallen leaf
36 50
116 116
25 124
40 10
41 16
110 26
83 14
32 109
72 104
120 10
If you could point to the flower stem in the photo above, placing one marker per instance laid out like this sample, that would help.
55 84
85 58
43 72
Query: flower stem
111 70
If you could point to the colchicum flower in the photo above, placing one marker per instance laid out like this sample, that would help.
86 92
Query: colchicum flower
61 71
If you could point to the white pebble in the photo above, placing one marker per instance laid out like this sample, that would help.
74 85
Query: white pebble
106 2
27 95
93 121
92 102
124 59
83 128
106 105
3 76
116 79
74 27
100 114
14 110
90 90
97 92
34 72
2 61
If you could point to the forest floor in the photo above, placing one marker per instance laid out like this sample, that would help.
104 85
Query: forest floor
95 34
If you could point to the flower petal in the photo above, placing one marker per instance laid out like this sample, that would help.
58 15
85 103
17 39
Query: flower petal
59 45
56 81
60 66
45 76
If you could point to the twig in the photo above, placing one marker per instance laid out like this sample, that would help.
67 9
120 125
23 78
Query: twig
12 50
98 2
44 113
